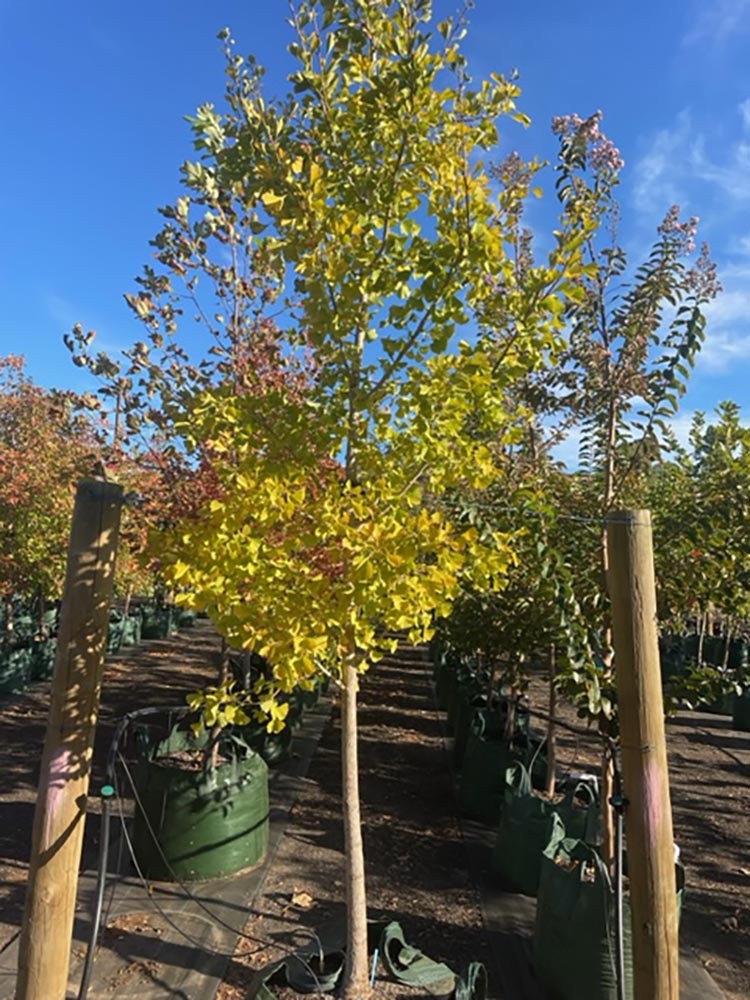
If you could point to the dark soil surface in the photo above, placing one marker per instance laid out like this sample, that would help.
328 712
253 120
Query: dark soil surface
416 860
417 866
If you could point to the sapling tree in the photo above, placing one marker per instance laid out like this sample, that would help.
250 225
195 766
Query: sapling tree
345 234
634 337
700 498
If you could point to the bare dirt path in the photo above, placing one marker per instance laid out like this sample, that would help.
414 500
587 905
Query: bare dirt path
417 865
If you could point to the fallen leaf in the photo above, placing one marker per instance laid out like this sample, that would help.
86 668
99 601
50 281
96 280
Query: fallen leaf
302 899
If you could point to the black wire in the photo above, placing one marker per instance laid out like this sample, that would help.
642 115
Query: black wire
186 889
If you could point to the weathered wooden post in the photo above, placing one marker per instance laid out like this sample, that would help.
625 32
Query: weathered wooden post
648 817
57 838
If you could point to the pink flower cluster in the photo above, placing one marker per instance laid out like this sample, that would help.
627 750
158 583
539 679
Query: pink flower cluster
603 154
703 279
683 231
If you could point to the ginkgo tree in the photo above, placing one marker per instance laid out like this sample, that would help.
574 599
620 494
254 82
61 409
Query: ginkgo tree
352 229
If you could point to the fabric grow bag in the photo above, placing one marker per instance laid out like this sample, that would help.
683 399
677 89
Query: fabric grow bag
15 669
741 714
193 825
574 935
486 761
114 633
483 776
526 824
43 653
185 618
131 630
157 622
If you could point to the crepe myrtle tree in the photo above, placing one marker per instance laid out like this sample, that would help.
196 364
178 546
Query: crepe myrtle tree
634 335
342 235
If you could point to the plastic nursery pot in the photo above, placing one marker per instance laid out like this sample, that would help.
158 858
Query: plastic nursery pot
191 825
15 669
741 714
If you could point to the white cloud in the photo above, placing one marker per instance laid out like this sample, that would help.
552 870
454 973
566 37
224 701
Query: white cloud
678 158
732 177
657 174
718 21
727 345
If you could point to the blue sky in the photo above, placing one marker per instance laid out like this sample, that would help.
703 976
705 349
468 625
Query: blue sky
93 135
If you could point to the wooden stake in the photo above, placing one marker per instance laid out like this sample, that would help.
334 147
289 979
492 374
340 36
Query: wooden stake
551 781
648 817
47 930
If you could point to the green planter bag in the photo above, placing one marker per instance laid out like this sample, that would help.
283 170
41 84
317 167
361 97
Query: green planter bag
43 659
446 664
741 714
185 618
158 622
471 701
199 824
526 824
131 630
574 936
114 633
486 761
15 669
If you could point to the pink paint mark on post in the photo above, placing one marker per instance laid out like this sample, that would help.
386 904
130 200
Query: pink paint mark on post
59 773
652 781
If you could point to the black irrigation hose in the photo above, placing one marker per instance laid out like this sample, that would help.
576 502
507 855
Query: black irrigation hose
618 803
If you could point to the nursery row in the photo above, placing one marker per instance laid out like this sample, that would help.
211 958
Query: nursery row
548 840
28 649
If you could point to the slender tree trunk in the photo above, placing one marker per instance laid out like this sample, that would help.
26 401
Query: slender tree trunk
42 631
701 637
9 623
607 767
213 739
510 719
356 973
727 644
551 733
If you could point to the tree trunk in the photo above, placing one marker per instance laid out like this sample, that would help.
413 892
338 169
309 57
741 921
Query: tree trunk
356 974
606 793
701 637
551 736
213 738
510 719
